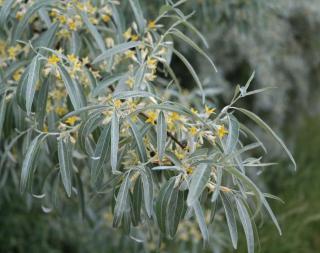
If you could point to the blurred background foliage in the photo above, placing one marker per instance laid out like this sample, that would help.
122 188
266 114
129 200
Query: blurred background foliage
280 41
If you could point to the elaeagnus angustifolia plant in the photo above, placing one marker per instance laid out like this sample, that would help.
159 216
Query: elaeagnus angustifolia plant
90 105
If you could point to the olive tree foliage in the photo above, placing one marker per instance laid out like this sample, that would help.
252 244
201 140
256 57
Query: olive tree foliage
90 106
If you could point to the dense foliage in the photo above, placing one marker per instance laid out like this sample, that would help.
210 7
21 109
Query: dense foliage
92 113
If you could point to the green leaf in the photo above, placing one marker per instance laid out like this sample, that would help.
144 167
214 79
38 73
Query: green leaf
105 83
161 134
28 165
246 224
139 141
233 134
47 38
114 141
199 179
133 94
3 106
186 39
94 32
33 77
122 199
120 48
27 16
216 191
65 162
264 126
201 220
164 205
101 154
138 14
147 183
74 90
136 201
5 11
192 72
231 219
41 101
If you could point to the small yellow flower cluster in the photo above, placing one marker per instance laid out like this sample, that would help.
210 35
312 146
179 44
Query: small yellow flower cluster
14 51
128 35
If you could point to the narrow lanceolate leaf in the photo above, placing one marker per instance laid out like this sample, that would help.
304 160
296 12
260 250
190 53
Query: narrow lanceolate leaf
133 94
114 141
120 48
138 14
186 39
74 90
163 205
42 101
231 219
65 162
136 202
5 11
139 141
199 179
105 83
101 154
161 134
147 183
3 106
28 164
94 32
233 134
33 77
201 220
192 72
122 200
246 223
27 16
263 125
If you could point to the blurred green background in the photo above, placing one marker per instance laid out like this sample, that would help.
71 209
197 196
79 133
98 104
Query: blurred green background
280 41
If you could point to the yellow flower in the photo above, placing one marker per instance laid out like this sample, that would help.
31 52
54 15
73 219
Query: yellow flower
106 18
72 25
189 170
130 54
14 51
174 116
17 75
194 111
85 60
130 82
20 14
53 59
152 117
193 131
152 63
62 19
180 155
61 110
64 33
117 103
151 24
45 129
72 120
53 13
127 34
222 131
72 58
134 37
209 111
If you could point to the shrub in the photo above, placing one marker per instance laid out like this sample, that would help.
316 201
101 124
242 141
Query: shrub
90 104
